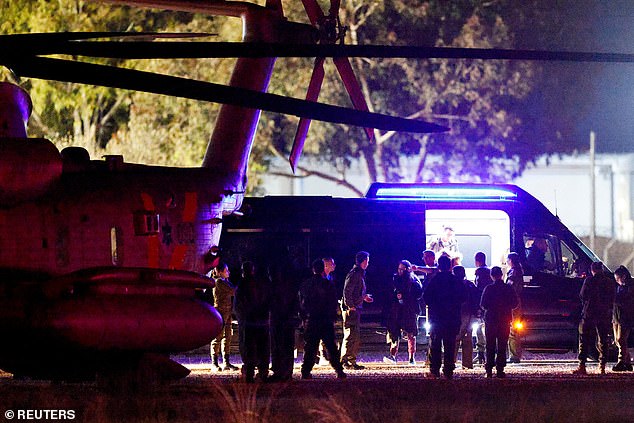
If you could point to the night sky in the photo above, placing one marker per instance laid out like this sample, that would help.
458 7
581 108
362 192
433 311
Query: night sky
610 111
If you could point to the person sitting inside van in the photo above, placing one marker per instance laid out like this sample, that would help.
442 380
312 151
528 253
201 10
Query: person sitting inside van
536 257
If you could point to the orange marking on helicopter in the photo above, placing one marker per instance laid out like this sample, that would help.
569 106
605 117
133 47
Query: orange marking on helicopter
153 241
191 204
189 215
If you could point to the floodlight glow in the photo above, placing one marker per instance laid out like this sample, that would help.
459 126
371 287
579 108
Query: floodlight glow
447 193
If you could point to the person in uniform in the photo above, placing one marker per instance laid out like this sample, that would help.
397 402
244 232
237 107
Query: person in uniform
354 295
319 304
444 297
482 280
515 278
468 315
329 268
597 299
426 272
222 298
445 243
404 310
252 310
286 277
498 301
623 317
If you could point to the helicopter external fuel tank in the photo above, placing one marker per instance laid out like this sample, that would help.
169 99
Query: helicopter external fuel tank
28 166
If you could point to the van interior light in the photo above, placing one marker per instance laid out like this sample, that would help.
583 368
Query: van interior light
447 193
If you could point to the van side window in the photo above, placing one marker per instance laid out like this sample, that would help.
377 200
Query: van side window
540 254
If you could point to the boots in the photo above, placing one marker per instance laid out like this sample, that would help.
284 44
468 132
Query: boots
480 359
214 364
581 370
412 360
622 366
389 359
228 365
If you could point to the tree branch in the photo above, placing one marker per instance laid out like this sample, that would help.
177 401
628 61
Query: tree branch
308 172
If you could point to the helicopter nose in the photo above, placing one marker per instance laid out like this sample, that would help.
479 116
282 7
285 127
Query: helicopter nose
15 109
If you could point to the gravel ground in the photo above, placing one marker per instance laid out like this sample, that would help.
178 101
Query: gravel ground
540 389
542 365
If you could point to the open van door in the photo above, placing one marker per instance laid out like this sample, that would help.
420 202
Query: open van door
550 296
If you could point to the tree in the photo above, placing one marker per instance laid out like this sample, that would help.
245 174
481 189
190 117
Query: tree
77 114
497 110
143 127
499 117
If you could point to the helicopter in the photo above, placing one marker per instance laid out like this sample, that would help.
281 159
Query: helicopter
102 261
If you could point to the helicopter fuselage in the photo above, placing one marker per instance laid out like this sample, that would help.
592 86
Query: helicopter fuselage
117 214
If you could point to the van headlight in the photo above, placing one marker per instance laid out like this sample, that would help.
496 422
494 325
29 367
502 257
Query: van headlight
518 325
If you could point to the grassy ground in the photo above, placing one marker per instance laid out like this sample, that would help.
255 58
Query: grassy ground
380 394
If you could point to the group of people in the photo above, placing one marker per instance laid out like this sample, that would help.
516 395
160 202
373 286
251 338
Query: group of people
606 309
267 316
453 304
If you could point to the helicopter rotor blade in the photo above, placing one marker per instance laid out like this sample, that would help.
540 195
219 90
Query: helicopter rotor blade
329 29
334 7
109 76
354 89
314 12
44 43
19 45
316 79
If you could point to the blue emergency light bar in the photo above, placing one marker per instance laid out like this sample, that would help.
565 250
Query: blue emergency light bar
442 192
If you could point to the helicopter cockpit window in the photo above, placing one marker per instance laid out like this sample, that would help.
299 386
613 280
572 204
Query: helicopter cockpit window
146 223
540 254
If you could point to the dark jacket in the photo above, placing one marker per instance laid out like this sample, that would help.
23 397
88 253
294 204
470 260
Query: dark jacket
319 299
482 280
444 296
285 284
403 314
253 302
515 278
597 297
624 304
498 301
471 307
483 277
354 287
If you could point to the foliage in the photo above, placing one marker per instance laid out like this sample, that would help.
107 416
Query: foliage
500 113
72 113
